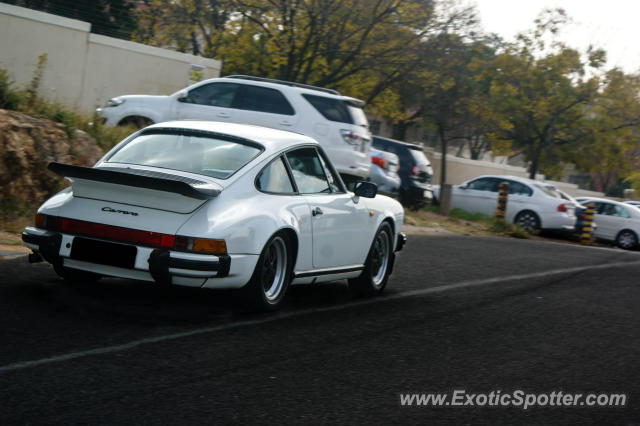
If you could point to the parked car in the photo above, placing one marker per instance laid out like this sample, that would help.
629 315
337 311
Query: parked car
415 171
633 203
580 213
384 172
336 121
218 205
617 222
532 205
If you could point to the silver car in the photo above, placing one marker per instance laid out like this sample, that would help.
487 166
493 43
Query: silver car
384 171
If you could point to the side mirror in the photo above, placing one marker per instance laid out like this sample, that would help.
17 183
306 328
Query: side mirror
463 186
366 189
183 96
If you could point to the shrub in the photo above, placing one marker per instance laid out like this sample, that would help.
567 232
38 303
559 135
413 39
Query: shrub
10 97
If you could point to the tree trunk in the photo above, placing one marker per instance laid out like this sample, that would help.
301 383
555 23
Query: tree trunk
536 151
399 130
443 160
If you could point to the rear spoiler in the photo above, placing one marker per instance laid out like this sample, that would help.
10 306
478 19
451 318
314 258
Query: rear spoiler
175 185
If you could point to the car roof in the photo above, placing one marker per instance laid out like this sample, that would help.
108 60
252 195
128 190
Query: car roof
273 140
407 144
514 178
285 85
602 200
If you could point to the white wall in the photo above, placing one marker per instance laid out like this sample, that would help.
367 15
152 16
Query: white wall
84 70
460 170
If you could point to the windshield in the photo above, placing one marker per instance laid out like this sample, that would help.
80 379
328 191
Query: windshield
193 153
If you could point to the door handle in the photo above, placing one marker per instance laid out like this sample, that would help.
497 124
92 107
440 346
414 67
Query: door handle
223 115
285 123
316 212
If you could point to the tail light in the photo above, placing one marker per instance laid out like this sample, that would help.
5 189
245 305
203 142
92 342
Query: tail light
414 173
380 162
136 236
562 208
349 137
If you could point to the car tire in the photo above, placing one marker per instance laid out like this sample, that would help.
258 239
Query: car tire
528 221
268 285
377 267
627 239
76 276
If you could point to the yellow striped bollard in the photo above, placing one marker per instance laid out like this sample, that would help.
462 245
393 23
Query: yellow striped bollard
587 225
503 193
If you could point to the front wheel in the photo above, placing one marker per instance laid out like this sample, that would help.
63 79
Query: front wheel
627 240
268 284
377 267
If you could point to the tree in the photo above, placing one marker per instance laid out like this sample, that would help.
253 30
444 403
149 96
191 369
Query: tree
541 96
114 18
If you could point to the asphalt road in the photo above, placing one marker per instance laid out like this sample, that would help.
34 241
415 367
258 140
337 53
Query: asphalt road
477 314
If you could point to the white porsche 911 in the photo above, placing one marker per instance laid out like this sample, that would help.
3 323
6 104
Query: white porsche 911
218 205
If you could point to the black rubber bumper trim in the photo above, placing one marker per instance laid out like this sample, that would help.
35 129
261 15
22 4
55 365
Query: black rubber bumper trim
48 245
402 240
160 261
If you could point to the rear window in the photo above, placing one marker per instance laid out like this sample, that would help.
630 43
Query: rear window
359 117
193 153
331 109
549 190
418 155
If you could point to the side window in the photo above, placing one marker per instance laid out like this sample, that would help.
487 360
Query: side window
274 178
330 108
516 188
599 208
484 184
307 171
264 99
332 177
214 94
620 211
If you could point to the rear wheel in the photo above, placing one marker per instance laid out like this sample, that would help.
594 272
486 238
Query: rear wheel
268 284
528 221
626 239
377 267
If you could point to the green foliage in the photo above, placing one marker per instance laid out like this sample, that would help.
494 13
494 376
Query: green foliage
10 97
507 228
114 18
34 84
465 215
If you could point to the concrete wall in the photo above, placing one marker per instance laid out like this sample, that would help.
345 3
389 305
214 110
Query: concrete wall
460 170
84 70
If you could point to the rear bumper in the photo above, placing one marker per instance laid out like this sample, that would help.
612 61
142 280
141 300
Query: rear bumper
160 265
559 222
402 240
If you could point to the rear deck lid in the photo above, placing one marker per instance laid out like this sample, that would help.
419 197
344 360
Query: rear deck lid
136 187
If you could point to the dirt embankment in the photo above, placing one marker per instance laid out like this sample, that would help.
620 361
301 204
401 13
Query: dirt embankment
27 145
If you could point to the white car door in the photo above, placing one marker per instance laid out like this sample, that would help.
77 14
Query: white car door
339 224
264 106
607 222
611 219
211 102
520 198
477 196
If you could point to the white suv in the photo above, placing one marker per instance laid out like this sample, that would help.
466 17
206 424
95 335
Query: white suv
336 121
